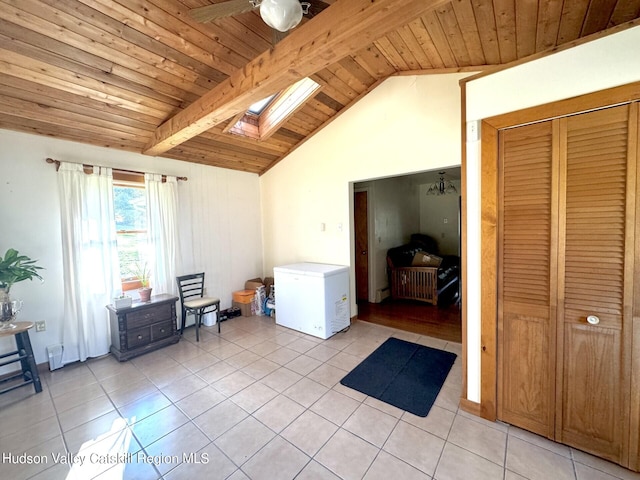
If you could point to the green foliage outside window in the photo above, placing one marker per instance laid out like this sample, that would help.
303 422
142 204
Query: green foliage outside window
130 207
131 224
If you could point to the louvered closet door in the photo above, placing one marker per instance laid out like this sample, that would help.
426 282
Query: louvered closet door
526 323
634 421
596 281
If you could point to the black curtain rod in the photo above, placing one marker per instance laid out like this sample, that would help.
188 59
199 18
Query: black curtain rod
120 170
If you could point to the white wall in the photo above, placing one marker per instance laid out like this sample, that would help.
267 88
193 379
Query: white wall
608 62
394 210
407 124
220 224
435 210
221 228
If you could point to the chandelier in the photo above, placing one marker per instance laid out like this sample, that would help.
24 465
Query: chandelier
442 186
283 15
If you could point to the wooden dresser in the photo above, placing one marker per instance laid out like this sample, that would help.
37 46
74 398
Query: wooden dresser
143 327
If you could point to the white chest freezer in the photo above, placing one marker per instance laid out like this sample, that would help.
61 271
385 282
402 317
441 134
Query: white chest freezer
312 298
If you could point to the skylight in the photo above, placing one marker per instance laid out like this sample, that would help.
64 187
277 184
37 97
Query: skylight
265 116
258 107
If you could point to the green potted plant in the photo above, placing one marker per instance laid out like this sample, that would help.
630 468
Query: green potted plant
142 272
14 268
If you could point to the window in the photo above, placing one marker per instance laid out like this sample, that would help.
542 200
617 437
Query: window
265 116
130 206
258 107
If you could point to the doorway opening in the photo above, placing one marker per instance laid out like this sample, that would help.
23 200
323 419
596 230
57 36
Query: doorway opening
389 213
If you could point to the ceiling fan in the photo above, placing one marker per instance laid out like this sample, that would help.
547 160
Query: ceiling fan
281 15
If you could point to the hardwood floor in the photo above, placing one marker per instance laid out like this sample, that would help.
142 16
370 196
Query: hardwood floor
417 317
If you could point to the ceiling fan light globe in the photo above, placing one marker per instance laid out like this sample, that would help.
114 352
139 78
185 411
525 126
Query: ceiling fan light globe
283 15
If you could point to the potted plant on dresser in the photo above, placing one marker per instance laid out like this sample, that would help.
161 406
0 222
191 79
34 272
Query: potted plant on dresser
142 273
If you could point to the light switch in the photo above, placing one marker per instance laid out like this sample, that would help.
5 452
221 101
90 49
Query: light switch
473 131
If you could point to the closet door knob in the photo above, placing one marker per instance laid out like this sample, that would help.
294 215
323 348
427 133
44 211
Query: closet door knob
593 320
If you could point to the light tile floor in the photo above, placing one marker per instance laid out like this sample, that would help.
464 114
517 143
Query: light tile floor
261 402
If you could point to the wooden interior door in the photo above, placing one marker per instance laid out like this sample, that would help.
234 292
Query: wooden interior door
596 281
634 420
361 226
568 256
526 319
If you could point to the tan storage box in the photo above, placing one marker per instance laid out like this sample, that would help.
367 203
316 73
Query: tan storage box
244 296
424 259
245 308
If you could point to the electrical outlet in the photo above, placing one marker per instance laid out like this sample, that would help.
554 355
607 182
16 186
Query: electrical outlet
41 326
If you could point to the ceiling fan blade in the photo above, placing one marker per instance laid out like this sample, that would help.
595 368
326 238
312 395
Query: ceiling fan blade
316 7
220 10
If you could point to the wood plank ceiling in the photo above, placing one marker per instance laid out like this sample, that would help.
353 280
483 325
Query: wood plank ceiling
109 73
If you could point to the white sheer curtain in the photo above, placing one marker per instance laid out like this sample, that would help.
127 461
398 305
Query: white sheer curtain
162 227
90 260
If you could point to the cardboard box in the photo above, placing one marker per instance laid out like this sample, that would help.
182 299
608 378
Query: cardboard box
253 284
424 259
245 308
244 296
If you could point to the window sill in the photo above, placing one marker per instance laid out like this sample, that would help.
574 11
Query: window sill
129 285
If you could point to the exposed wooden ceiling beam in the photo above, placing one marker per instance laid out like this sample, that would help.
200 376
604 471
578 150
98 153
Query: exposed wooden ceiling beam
340 30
